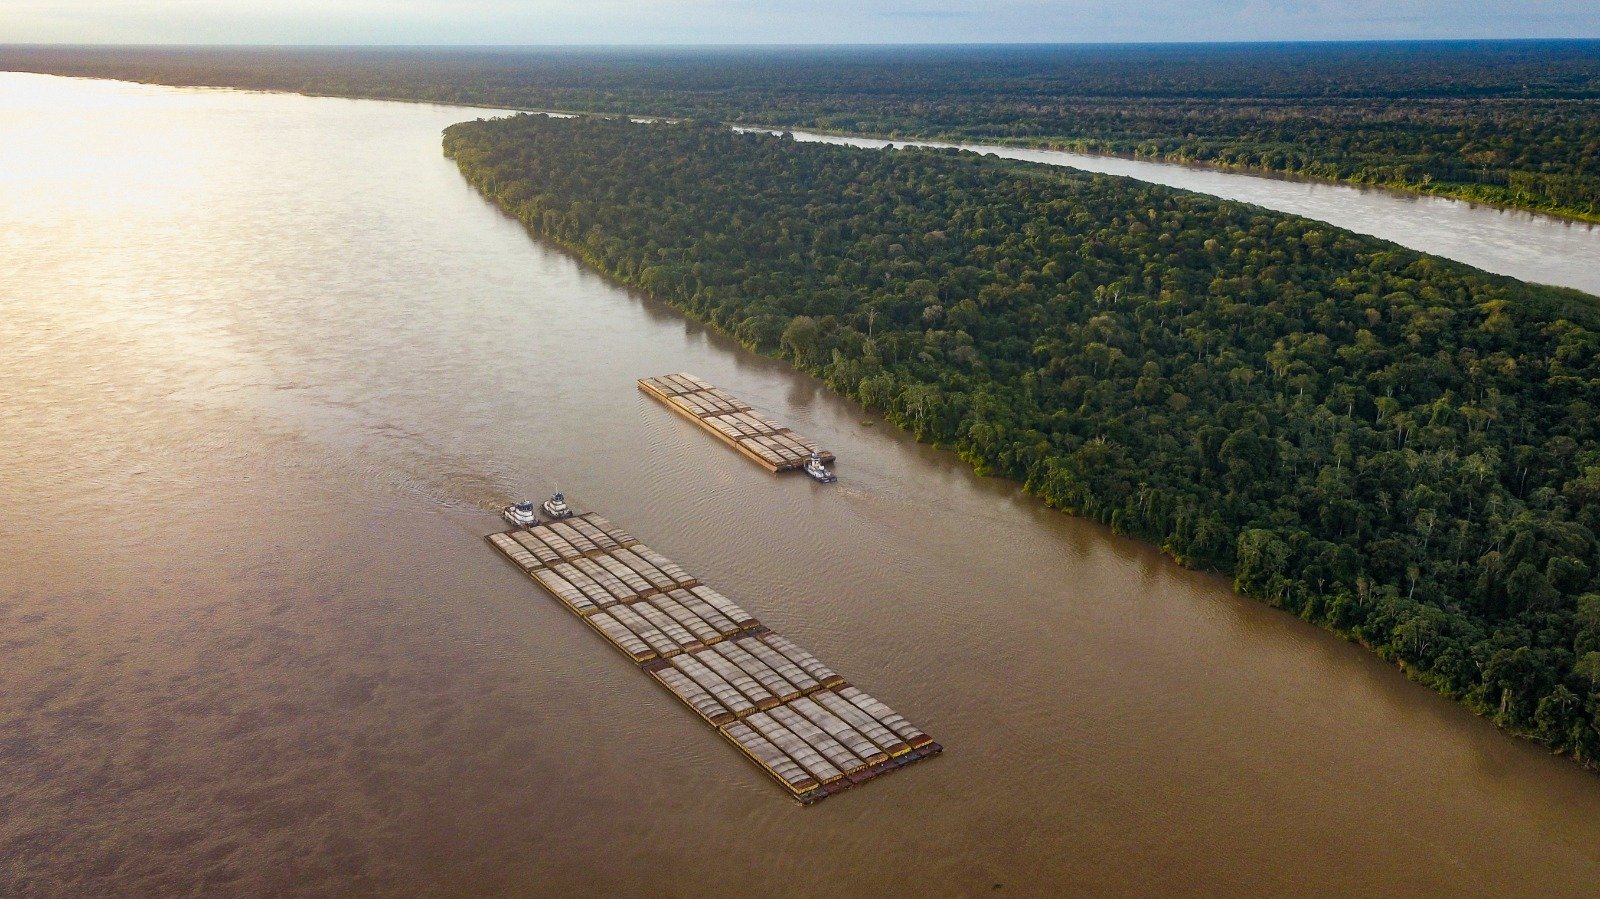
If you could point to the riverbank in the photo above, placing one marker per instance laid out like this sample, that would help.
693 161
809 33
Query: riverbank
1484 195
1175 390
1313 612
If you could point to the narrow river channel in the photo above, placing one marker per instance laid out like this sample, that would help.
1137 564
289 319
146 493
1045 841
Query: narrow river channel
1528 246
268 367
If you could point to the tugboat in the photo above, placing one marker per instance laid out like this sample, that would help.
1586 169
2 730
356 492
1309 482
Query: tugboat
819 471
556 506
521 514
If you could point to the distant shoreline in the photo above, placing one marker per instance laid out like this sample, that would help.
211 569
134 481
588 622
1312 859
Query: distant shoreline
1063 144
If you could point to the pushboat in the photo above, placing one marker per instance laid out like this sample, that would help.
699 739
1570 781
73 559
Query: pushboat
818 471
556 507
522 515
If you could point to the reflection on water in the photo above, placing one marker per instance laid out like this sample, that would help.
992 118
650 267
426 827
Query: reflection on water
269 365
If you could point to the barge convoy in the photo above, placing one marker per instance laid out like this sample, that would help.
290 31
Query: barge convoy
731 420
800 721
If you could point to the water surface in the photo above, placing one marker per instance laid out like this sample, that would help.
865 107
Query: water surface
269 364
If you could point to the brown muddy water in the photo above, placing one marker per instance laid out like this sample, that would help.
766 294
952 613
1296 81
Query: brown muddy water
268 365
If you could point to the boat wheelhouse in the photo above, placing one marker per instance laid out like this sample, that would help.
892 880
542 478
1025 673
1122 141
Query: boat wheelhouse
818 470
521 514
556 507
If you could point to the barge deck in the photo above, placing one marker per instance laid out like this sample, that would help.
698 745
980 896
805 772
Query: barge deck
805 725
731 420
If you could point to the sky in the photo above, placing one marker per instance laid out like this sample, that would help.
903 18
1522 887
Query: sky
781 21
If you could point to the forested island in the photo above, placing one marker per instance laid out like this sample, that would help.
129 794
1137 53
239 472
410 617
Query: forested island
1393 446
1516 123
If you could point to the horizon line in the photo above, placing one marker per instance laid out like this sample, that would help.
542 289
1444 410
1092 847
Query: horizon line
808 45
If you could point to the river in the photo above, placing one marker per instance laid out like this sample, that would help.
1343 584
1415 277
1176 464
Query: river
1525 245
269 365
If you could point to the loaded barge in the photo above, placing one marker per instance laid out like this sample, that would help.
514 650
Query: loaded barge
799 720
764 441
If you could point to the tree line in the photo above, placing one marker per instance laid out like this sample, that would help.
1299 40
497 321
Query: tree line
1511 122
1394 446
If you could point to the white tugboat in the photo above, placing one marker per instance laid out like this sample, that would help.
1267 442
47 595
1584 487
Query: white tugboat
819 471
522 515
556 506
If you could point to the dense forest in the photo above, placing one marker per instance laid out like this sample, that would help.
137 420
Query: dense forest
1515 122
1394 446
